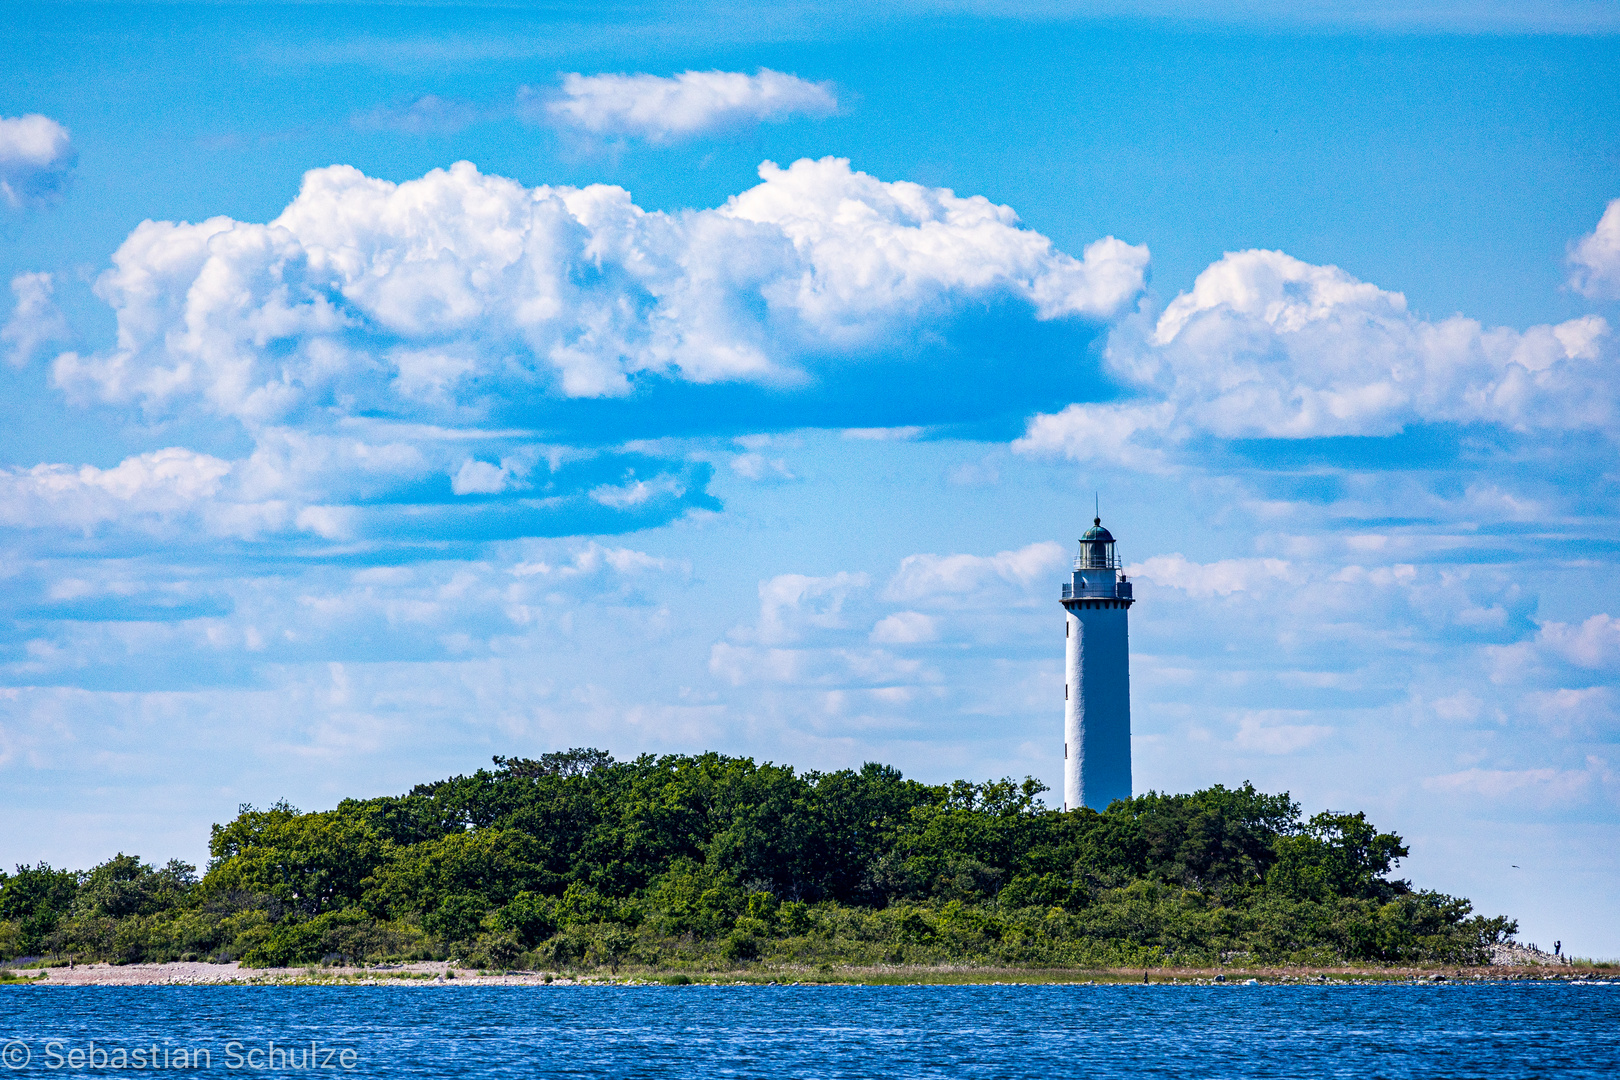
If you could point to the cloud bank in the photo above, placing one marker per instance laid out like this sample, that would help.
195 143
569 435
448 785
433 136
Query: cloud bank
380 485
438 296
692 103
403 357
1266 346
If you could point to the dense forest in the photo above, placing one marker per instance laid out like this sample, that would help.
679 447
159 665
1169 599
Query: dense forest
577 861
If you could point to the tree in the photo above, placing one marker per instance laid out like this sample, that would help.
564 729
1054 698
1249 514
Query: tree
1338 855
124 885
36 898
310 862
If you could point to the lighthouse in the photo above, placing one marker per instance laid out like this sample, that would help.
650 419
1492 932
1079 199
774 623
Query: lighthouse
1096 677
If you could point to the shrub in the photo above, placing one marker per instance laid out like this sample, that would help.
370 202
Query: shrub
740 945
295 941
455 918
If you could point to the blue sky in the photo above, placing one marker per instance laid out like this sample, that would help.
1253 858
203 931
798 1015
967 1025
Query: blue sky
387 388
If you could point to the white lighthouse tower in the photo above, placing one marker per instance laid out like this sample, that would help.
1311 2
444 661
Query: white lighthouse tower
1096 677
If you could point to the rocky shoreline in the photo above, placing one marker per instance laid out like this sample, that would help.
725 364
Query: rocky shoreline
1509 963
1513 954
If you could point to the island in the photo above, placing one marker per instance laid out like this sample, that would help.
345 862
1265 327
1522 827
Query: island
576 865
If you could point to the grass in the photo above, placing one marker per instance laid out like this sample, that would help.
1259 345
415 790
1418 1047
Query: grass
13 977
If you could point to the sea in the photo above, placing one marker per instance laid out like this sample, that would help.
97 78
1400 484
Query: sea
1519 1029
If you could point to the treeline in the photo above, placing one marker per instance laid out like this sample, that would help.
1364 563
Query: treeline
577 860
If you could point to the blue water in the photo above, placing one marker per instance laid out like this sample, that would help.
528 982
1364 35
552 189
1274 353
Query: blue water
1051 1032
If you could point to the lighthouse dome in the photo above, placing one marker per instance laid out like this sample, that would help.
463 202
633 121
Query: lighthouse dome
1097 549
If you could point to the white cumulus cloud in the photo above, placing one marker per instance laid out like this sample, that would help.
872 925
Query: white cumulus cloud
289 483
790 604
478 478
1589 646
1595 259
1595 643
36 159
905 628
951 580
431 295
1587 712
386 481
802 638
691 103
636 492
593 560
1267 346
1126 435
156 484
34 320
